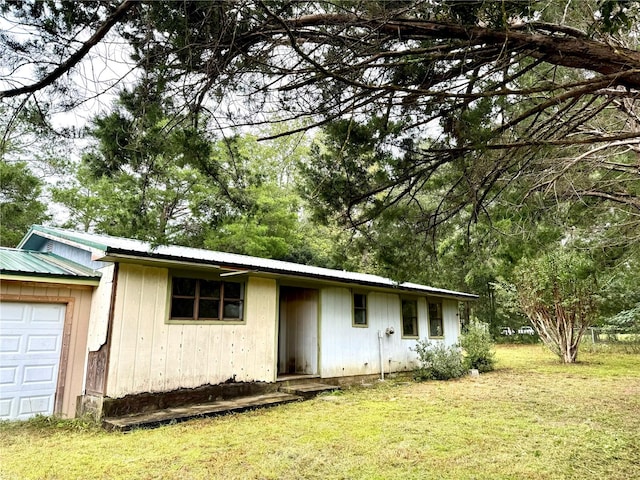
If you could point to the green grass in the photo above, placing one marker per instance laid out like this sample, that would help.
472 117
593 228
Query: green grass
533 418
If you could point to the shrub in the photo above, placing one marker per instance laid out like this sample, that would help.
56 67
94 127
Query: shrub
438 362
478 348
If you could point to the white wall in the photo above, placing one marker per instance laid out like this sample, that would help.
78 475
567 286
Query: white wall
451 321
349 350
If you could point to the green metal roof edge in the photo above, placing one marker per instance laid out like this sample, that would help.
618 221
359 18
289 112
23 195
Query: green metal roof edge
79 268
39 262
143 250
71 279
63 235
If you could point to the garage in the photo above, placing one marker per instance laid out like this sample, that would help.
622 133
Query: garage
30 348
45 306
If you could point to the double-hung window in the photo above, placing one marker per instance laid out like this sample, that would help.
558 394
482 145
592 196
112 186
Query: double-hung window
360 310
409 318
436 326
206 300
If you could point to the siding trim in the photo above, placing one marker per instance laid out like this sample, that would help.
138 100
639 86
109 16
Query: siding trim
98 361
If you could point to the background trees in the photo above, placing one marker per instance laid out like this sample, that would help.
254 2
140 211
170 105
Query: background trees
457 139
489 90
20 204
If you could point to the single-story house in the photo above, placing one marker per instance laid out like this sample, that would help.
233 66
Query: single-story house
150 325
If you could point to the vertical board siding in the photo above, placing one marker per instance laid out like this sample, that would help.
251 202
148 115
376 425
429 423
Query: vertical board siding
74 383
348 350
73 380
149 355
451 321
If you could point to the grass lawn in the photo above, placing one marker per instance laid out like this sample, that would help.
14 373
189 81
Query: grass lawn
531 418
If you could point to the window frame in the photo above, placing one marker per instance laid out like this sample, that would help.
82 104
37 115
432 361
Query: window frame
439 305
415 319
355 308
196 298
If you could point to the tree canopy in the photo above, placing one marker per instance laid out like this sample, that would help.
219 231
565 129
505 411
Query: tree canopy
477 132
495 88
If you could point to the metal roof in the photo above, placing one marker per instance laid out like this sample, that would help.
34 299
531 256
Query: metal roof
108 248
31 263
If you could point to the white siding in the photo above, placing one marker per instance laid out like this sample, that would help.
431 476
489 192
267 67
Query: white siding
348 350
451 321
149 355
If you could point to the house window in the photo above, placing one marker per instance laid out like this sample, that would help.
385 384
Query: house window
436 327
359 309
200 299
409 318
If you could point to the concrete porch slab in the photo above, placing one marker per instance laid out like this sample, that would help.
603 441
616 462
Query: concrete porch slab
307 389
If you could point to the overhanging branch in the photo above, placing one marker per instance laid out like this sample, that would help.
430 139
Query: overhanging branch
76 57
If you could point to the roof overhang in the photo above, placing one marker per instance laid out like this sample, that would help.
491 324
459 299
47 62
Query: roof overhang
241 269
50 279
116 249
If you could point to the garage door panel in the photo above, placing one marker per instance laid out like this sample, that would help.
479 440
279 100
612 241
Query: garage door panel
8 376
47 314
35 404
40 375
30 350
6 406
10 343
13 314
42 344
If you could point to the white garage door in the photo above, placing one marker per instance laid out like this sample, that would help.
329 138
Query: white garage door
30 345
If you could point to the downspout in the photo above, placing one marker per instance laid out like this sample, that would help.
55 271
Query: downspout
380 336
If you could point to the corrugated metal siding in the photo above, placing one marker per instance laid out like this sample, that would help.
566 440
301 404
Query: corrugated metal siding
83 257
149 355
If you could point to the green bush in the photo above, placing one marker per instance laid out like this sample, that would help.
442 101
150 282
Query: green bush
438 362
478 348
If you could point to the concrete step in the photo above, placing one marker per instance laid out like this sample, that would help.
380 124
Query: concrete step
307 390
181 414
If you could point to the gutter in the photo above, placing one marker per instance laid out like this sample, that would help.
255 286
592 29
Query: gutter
49 278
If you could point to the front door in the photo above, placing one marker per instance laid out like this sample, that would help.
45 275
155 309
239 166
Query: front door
298 331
